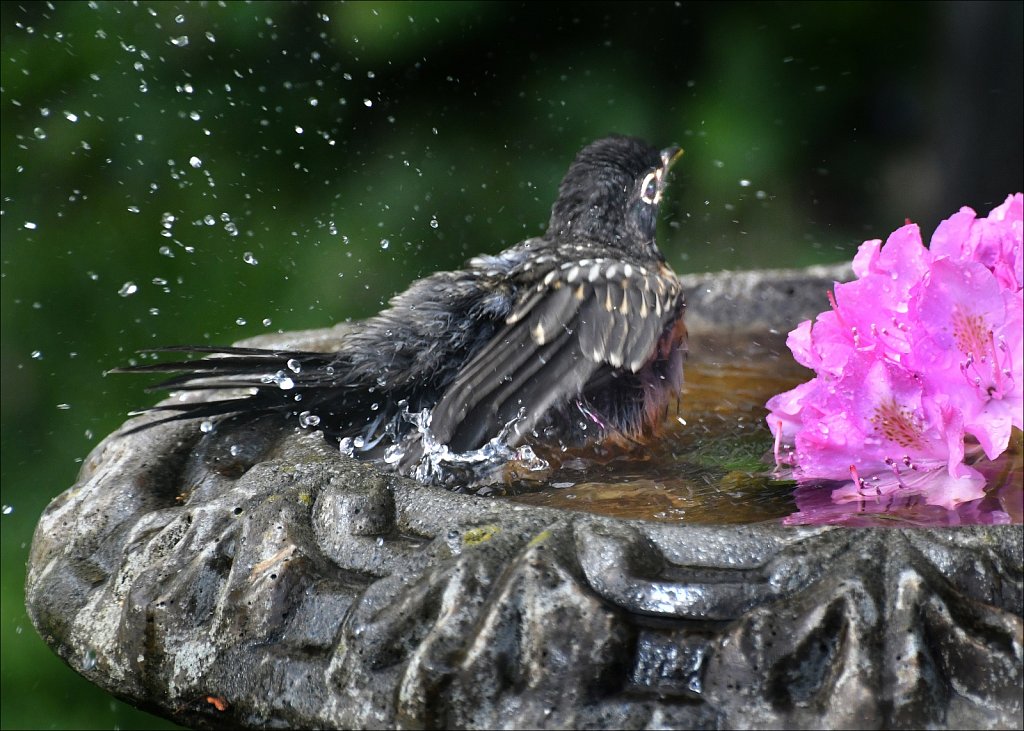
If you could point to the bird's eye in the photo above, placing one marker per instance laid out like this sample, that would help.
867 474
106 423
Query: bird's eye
649 189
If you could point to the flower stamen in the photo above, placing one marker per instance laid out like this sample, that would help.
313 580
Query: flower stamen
896 470
996 355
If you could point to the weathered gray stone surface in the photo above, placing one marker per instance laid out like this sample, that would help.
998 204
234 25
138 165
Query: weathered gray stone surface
256 569
747 302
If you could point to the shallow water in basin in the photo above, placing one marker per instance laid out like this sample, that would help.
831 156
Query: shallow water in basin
714 464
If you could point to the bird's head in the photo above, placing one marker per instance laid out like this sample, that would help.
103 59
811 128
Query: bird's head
611 193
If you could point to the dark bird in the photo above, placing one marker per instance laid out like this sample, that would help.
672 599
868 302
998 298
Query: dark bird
571 337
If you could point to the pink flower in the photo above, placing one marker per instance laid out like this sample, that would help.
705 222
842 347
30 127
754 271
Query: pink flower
970 330
994 241
923 348
869 314
876 427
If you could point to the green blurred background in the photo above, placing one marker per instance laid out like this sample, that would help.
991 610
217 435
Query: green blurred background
177 172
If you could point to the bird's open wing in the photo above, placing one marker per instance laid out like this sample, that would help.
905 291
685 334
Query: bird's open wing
578 318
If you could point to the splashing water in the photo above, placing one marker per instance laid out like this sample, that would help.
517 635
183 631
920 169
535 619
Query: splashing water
437 462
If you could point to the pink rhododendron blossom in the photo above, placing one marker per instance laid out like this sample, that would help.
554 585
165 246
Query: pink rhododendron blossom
921 350
967 336
994 241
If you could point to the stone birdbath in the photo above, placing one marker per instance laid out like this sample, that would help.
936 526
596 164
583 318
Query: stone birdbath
255 577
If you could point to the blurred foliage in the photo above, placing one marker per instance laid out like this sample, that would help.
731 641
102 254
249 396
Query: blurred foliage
253 167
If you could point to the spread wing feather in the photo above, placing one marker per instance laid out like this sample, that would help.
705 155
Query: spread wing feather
487 416
579 319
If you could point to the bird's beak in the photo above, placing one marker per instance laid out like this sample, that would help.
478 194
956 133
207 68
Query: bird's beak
669 156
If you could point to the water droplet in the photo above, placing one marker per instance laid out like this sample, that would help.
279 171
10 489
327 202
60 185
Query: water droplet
744 183
384 244
128 289
41 135
206 426
71 117
266 322
63 407
37 355
366 103
240 321
7 509
306 419
180 41
298 130
30 225
434 223
195 162
133 209
294 366
248 258
89 659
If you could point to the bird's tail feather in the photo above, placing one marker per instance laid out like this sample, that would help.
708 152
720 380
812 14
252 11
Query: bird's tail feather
280 381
